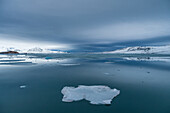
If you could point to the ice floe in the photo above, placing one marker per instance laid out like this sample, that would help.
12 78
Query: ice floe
23 86
95 94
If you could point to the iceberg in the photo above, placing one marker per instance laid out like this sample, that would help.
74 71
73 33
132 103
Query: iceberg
95 94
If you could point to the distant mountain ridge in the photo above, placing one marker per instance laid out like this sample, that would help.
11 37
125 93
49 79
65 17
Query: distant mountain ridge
30 50
142 50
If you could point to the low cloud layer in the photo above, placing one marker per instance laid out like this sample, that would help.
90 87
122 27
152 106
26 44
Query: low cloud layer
84 21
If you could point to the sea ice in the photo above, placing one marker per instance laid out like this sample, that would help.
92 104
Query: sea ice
95 94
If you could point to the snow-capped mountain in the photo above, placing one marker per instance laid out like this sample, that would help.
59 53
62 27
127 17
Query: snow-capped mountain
29 50
45 50
142 50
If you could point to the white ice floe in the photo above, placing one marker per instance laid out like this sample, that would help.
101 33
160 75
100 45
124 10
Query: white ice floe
23 86
142 50
95 94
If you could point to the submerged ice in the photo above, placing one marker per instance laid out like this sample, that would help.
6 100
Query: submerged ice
94 94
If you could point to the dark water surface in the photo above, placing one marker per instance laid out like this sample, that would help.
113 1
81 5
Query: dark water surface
144 83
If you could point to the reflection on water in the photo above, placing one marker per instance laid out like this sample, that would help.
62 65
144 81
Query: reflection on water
31 59
71 59
160 59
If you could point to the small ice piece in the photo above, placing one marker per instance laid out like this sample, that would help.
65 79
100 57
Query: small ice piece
23 86
95 94
106 73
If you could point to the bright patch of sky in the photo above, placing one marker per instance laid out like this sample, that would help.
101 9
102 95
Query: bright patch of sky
7 42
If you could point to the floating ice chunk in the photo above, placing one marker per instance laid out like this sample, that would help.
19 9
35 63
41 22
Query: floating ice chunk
23 86
94 94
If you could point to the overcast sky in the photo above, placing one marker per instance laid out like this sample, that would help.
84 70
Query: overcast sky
84 21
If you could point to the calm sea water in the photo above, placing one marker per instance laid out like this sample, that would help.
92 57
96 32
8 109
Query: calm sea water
143 81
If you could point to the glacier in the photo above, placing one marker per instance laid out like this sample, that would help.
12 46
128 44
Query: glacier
96 94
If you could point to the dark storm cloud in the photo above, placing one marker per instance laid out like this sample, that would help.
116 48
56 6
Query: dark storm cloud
85 21
156 41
